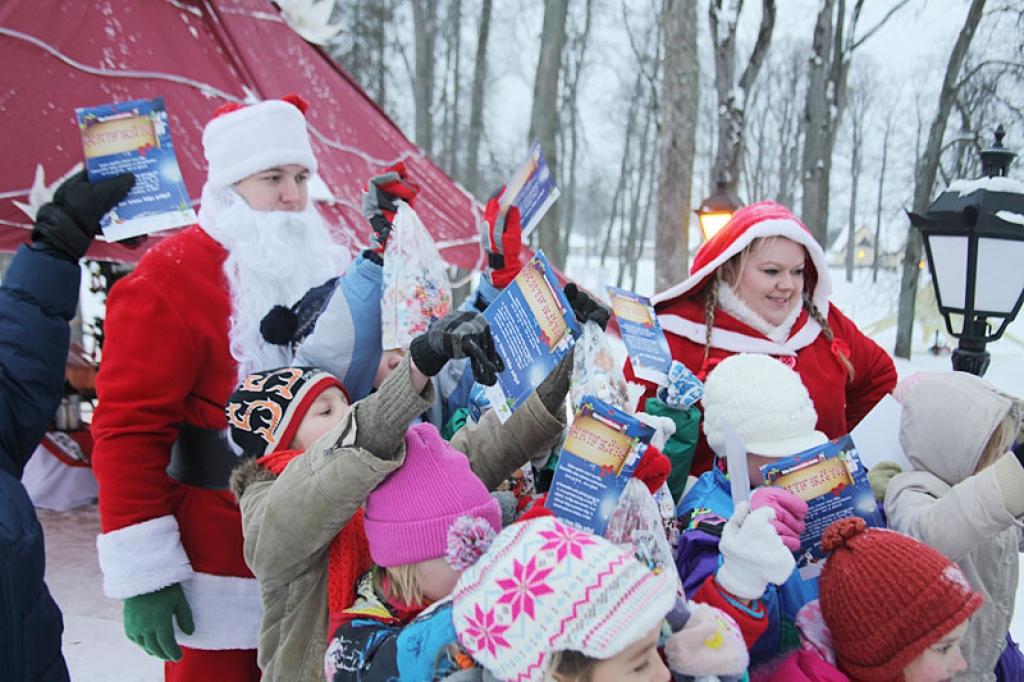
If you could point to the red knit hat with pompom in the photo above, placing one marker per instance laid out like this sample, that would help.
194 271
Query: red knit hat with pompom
886 598
758 220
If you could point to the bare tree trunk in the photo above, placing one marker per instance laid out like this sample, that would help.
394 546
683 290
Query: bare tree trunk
544 116
860 104
925 180
791 133
881 187
571 106
645 222
424 17
623 166
455 132
680 89
632 251
813 208
832 51
855 162
476 110
380 47
732 96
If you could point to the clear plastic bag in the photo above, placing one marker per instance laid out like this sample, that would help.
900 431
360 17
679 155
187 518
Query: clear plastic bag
595 371
416 290
637 521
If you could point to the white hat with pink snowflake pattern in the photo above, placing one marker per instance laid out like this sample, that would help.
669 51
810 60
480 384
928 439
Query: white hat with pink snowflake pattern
545 587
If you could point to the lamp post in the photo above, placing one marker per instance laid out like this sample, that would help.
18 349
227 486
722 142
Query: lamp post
717 209
974 243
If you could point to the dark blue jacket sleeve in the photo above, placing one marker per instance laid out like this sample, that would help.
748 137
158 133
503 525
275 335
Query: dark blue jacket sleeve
38 297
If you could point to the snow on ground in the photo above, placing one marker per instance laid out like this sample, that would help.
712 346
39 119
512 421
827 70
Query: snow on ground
94 642
95 646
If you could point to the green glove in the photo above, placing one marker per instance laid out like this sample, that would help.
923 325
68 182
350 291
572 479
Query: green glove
879 478
148 621
682 445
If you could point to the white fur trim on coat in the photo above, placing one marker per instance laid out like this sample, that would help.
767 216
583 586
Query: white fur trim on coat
735 306
142 558
767 228
227 612
735 342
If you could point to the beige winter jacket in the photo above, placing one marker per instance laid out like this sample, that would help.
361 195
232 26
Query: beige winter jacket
974 519
289 522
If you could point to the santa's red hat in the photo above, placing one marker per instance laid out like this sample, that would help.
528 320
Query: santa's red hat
762 219
242 140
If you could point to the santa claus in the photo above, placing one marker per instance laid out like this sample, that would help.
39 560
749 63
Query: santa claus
180 331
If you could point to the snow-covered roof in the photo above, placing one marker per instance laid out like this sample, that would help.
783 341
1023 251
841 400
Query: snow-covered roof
1000 184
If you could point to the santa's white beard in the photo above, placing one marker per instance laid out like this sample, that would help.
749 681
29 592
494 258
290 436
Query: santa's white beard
274 257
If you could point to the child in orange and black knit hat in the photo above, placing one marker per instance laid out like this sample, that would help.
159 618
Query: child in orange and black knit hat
312 459
893 610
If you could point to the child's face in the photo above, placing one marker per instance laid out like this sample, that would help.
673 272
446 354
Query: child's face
754 464
326 412
388 361
638 662
940 661
436 578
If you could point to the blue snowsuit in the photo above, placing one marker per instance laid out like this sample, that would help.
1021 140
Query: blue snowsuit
38 298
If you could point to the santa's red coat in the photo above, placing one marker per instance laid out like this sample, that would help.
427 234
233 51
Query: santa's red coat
166 361
840 402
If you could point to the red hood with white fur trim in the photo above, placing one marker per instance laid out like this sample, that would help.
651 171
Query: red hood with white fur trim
761 219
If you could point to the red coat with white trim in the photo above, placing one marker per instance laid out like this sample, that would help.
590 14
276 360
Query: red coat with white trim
166 361
840 402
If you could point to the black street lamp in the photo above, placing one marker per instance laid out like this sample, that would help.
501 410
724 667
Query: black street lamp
974 241
717 209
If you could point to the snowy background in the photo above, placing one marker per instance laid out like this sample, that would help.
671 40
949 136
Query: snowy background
905 60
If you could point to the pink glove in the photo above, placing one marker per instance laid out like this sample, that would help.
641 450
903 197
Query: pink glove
790 511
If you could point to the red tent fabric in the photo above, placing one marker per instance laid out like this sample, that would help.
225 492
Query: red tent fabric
197 54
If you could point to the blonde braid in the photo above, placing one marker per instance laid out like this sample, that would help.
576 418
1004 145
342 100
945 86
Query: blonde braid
826 329
710 302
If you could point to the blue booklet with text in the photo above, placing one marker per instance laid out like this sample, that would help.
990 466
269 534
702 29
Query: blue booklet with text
532 189
133 137
645 341
600 453
533 327
833 482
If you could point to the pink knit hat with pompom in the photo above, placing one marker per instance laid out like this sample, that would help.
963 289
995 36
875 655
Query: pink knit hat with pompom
408 516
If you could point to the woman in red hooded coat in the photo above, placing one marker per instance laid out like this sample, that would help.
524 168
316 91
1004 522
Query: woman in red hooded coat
761 285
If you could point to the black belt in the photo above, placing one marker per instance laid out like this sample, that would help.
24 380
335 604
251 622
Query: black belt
202 457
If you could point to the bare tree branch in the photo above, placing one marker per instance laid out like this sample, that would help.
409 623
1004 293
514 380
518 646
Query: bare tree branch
881 22
642 58
1008 66
764 39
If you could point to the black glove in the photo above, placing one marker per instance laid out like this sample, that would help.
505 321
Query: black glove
69 222
586 308
458 335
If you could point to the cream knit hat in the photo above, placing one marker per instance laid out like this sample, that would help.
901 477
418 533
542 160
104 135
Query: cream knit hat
765 402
